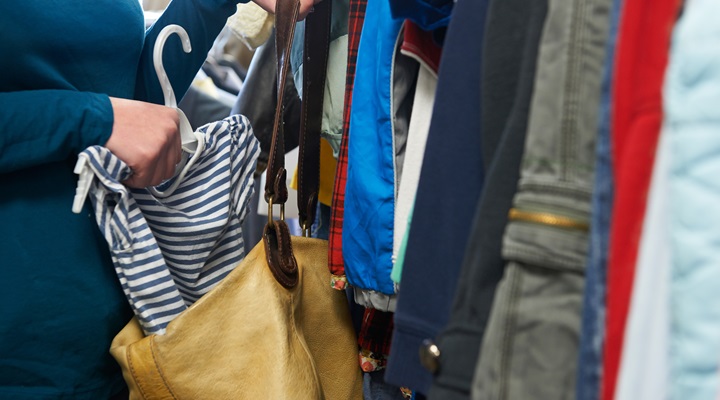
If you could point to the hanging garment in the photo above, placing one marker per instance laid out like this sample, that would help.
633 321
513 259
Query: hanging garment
172 246
417 45
644 365
512 36
370 188
258 98
336 262
530 345
411 104
375 329
641 57
692 93
437 236
251 24
332 112
592 330
429 15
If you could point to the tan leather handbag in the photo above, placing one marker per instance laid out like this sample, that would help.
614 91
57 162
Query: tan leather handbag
273 328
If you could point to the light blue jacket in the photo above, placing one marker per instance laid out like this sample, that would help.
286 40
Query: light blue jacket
692 112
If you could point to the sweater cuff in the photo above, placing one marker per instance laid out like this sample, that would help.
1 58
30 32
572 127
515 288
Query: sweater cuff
97 123
459 352
404 368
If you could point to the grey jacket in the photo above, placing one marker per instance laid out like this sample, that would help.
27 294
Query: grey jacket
530 347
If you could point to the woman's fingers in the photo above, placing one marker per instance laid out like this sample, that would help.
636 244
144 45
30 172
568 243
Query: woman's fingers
146 137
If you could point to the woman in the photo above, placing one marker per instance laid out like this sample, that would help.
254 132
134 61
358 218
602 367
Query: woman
74 74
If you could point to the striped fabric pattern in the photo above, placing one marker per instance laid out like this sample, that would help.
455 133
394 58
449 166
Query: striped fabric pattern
170 249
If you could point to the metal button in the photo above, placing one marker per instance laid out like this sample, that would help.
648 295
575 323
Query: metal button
430 356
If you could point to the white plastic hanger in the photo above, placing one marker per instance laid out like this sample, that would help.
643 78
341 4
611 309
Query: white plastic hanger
192 143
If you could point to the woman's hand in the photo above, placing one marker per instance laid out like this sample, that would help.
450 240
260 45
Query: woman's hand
305 6
147 138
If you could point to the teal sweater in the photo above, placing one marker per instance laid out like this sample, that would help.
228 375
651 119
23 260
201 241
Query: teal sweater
60 301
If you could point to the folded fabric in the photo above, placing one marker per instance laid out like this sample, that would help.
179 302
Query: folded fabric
172 244
251 24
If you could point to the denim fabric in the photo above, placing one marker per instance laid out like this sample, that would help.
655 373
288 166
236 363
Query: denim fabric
375 387
321 226
528 351
593 315
530 346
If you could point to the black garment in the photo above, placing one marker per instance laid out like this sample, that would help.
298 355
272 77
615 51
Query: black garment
512 36
258 99
201 108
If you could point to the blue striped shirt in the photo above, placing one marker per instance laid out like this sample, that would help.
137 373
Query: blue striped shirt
171 247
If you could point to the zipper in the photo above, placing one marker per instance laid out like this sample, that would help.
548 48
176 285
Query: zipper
548 219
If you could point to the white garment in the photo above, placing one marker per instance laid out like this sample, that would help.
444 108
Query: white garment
169 248
644 368
414 152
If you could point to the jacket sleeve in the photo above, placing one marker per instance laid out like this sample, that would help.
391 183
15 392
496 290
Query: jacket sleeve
63 122
203 20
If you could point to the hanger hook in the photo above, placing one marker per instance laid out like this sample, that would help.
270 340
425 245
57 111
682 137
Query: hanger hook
167 89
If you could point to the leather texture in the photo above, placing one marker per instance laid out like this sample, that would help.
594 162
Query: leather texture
279 252
315 54
273 328
258 100
251 338
286 13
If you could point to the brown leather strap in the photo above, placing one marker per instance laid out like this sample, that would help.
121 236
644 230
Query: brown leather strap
286 13
315 54
276 235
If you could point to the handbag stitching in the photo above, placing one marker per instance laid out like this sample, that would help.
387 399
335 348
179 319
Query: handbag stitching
134 373
159 368
301 338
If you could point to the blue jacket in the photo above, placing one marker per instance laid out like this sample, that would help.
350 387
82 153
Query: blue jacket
371 187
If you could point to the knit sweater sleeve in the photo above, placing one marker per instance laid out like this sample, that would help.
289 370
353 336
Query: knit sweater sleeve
42 126
203 20
61 121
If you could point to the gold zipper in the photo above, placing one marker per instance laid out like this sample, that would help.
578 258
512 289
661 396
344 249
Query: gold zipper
547 219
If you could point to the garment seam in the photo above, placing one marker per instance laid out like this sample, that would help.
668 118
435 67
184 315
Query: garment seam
509 327
391 84
570 105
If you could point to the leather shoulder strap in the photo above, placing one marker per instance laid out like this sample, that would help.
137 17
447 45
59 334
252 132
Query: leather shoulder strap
286 13
278 246
317 34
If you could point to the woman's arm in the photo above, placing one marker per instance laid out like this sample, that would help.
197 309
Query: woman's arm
62 123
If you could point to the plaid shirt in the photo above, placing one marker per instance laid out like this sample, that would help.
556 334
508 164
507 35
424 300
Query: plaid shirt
336 263
377 326
376 331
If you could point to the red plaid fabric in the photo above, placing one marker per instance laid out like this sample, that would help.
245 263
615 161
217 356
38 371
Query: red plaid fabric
376 331
335 261
377 326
